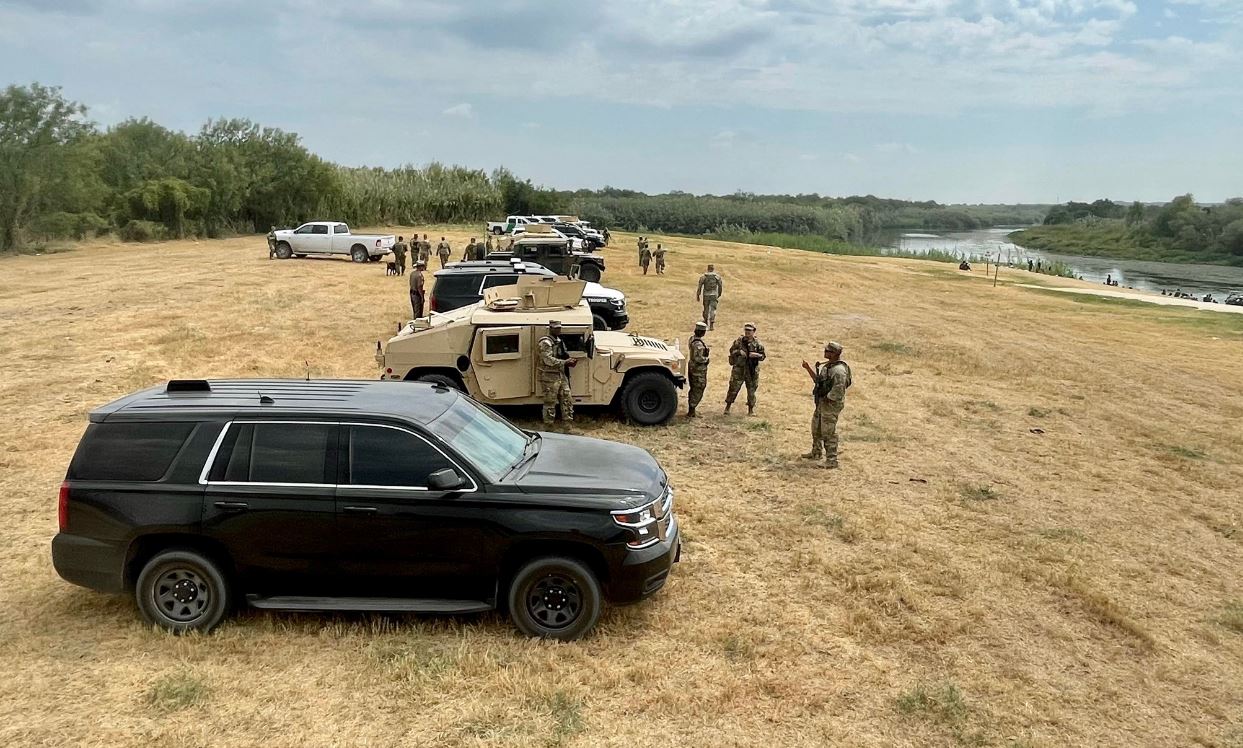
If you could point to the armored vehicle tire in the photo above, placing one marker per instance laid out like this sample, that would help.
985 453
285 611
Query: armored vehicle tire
182 590
443 379
359 253
598 323
589 273
649 399
283 251
555 598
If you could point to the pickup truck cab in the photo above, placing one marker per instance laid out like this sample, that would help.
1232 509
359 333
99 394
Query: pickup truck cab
507 226
331 238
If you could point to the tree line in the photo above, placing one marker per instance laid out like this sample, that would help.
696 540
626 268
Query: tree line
1181 227
62 176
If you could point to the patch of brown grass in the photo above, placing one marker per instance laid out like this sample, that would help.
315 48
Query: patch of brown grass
1079 602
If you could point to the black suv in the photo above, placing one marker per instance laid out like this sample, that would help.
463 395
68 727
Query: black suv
462 283
555 254
356 495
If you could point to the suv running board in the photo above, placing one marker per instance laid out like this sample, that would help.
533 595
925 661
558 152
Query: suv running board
403 604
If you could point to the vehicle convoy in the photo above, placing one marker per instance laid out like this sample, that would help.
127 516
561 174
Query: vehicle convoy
331 238
555 253
198 496
489 351
462 283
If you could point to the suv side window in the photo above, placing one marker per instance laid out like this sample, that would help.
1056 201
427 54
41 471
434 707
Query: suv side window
340 228
128 451
499 279
304 229
276 453
392 457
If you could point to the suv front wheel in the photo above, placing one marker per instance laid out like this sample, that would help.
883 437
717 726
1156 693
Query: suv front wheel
182 590
555 598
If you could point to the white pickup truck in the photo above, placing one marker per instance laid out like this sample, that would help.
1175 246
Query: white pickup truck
510 223
331 238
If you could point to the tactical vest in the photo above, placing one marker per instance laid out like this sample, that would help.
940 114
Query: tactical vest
712 284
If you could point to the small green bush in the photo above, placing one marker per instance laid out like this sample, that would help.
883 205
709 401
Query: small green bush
143 231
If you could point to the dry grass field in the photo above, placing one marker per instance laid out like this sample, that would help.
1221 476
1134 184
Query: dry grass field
1035 538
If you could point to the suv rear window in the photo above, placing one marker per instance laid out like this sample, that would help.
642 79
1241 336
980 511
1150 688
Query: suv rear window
276 453
456 285
128 451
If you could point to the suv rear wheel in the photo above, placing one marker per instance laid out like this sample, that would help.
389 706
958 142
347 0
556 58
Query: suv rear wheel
555 598
649 399
359 253
182 590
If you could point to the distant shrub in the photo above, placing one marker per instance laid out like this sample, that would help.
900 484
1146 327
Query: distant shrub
143 231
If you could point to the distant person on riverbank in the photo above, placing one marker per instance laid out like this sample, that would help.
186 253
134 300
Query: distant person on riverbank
964 265
1030 265
1109 280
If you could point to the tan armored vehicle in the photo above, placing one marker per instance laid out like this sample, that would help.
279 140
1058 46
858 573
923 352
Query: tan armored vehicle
489 351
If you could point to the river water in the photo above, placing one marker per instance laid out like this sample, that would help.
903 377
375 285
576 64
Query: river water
1218 280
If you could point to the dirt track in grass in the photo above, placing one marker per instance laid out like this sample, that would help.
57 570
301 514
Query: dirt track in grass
1034 538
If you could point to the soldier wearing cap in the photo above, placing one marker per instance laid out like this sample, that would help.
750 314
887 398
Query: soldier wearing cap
697 368
554 375
745 356
831 378
416 289
710 289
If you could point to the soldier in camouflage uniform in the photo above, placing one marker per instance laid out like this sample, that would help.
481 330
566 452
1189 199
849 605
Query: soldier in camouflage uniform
659 256
745 356
425 249
417 294
487 246
711 287
553 377
399 255
831 378
697 368
443 250
272 243
645 257
469 253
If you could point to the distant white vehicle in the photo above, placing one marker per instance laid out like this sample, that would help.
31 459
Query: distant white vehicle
510 223
331 238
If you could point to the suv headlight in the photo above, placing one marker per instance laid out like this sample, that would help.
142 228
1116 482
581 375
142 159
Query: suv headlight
648 524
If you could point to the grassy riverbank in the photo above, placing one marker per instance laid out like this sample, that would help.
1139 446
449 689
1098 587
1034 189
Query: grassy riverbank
1112 239
1034 540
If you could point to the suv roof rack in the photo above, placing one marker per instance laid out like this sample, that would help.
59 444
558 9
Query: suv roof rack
187 385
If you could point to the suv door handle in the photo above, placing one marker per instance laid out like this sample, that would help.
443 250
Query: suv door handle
360 509
232 506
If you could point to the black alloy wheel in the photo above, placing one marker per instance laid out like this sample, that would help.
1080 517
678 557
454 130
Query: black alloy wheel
555 598
182 590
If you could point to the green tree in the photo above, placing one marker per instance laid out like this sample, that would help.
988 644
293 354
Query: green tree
45 165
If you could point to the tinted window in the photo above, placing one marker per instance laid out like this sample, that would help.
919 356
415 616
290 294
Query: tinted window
274 453
495 344
499 280
128 451
340 228
319 229
391 457
303 229
456 285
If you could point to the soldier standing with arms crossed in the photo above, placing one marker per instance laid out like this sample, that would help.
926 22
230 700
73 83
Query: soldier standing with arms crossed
711 286
745 356
416 289
553 377
697 368
831 378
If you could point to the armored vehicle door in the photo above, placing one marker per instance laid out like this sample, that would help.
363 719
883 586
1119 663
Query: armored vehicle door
504 362
578 343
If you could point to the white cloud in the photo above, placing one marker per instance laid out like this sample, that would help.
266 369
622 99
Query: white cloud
852 158
460 110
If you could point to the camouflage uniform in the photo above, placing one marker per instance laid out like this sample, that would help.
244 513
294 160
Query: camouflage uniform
832 379
645 257
697 369
399 256
554 383
469 254
443 250
746 370
425 249
659 255
711 286
272 243
416 291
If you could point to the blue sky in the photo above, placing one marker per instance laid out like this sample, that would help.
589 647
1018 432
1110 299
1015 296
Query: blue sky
952 100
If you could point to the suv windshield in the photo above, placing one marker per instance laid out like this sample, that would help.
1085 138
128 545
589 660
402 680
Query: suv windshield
486 439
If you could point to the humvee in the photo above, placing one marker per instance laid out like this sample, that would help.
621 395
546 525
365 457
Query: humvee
554 252
489 351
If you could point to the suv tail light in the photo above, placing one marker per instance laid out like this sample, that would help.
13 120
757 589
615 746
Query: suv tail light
431 301
62 506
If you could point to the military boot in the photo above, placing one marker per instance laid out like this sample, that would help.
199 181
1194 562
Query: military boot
727 408
690 412
750 410
812 455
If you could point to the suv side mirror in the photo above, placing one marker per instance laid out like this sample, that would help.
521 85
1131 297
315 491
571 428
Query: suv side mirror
445 479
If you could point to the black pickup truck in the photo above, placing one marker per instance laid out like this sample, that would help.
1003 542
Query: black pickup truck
556 255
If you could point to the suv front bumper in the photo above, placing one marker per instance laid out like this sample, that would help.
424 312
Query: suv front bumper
645 571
